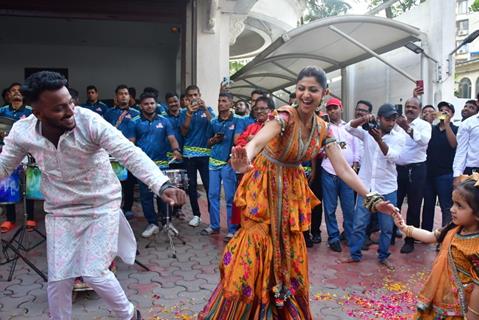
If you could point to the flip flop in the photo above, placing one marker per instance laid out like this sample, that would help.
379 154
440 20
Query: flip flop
7 226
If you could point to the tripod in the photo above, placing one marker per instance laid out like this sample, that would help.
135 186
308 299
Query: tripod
18 240
171 232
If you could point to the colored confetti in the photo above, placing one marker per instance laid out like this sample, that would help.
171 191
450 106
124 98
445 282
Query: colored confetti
378 298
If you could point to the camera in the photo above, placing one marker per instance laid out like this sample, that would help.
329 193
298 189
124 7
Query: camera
371 124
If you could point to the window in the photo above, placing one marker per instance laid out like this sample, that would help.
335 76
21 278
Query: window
477 85
462 27
462 7
464 88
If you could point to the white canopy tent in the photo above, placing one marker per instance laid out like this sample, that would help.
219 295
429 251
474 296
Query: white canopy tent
331 43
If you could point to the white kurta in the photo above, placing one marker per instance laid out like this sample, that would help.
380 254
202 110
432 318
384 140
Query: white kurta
82 193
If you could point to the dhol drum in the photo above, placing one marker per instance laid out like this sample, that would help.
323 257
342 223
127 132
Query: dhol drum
178 177
119 169
33 177
10 190
5 127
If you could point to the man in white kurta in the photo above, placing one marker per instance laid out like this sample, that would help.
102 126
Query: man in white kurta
82 200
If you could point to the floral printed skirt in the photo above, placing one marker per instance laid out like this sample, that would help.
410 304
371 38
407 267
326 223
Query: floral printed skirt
245 289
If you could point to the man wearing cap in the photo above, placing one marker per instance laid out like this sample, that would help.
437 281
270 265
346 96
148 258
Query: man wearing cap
332 185
440 156
411 165
382 147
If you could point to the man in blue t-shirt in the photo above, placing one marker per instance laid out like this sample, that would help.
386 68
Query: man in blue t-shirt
122 117
194 125
173 114
222 133
15 111
154 135
92 101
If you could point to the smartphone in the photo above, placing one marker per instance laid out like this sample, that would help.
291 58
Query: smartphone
441 116
399 109
420 84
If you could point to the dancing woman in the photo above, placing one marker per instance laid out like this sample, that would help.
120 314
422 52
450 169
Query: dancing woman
264 268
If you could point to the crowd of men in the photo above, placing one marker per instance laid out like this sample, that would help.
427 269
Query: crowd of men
413 156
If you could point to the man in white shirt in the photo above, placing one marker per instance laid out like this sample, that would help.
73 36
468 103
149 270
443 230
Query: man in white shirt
85 226
470 108
466 160
331 184
411 165
382 147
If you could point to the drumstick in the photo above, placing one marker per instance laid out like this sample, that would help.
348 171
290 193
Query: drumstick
171 161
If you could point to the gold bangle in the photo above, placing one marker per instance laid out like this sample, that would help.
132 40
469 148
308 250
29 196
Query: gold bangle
474 312
409 230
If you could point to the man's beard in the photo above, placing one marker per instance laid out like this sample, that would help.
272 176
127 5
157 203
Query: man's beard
149 113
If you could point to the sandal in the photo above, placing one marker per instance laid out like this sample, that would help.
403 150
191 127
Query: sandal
137 315
7 226
31 224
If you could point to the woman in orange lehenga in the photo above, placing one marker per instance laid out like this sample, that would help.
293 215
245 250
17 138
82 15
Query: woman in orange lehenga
452 289
264 268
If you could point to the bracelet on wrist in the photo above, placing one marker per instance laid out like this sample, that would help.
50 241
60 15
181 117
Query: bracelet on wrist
409 231
371 200
165 186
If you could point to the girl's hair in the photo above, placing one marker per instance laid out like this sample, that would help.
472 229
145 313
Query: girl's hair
470 192
315 72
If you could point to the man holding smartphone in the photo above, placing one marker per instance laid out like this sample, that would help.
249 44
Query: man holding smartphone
194 124
222 133
411 164
440 156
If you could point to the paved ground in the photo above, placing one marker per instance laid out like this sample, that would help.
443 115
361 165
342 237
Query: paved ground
178 288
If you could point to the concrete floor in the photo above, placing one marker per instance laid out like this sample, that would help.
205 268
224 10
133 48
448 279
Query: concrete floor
178 288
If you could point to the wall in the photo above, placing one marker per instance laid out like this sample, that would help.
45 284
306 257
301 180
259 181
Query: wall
212 56
101 52
104 67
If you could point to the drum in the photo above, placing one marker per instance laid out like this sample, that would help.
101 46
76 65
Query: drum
5 126
10 191
119 169
178 177
33 177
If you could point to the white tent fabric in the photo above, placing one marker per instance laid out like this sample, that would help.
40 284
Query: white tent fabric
317 44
